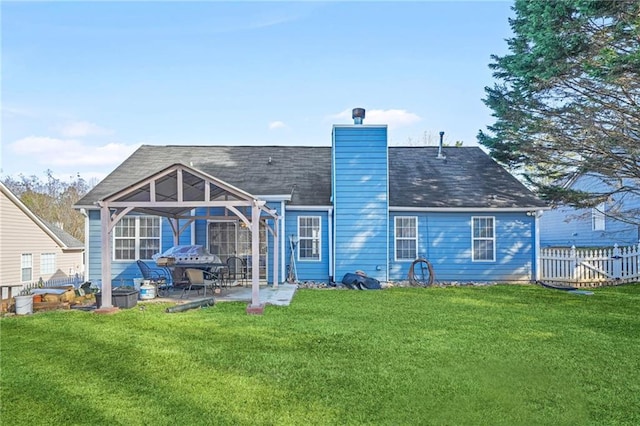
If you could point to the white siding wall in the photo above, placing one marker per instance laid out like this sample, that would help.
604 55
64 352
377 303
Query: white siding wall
18 235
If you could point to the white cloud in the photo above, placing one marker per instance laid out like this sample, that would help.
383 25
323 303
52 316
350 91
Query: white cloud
78 129
70 152
277 125
394 118
17 111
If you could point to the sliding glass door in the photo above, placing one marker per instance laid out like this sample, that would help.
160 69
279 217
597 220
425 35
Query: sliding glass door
230 238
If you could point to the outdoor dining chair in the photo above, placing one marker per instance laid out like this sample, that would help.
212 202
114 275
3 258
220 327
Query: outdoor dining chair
236 270
160 277
200 279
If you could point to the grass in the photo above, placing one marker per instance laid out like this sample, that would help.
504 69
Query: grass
495 355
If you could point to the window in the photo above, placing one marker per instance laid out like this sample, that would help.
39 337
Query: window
26 267
136 237
47 263
597 217
483 240
406 232
309 238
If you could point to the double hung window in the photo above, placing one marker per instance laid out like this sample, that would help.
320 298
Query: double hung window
136 237
47 263
483 239
309 242
26 267
406 237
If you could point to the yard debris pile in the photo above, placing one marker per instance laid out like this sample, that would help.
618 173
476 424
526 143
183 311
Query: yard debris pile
63 297
53 298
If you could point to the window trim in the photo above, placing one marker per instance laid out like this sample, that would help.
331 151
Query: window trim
598 217
492 239
26 265
396 238
319 239
48 259
136 237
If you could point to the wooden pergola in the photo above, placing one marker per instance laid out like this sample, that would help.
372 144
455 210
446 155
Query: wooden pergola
174 193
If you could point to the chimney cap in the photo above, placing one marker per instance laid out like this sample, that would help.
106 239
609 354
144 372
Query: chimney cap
357 113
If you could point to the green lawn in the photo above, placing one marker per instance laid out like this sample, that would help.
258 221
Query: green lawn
494 355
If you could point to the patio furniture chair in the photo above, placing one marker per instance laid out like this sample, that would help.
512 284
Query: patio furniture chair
200 279
160 277
237 270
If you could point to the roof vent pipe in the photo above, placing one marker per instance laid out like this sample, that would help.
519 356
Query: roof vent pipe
440 155
358 115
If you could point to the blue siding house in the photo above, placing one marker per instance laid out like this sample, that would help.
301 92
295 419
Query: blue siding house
317 213
600 226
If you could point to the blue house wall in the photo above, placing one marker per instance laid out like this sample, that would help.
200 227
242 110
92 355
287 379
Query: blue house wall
123 271
308 270
445 240
360 200
565 226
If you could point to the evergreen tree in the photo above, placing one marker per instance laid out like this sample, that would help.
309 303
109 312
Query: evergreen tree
567 100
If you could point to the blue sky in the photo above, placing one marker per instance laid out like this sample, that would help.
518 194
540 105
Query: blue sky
85 83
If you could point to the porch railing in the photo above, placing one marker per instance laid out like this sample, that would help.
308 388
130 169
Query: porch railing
590 267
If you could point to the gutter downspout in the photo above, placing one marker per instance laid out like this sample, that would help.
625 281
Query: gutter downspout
330 232
283 245
85 260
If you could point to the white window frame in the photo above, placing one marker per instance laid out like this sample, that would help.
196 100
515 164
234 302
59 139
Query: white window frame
598 217
47 263
136 237
316 240
475 239
26 266
398 238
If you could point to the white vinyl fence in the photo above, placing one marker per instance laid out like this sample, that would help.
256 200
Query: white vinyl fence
590 267
74 280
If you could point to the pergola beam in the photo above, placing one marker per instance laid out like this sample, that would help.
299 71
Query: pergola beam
234 200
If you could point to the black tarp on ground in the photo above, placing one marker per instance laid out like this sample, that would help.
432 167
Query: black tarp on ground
358 282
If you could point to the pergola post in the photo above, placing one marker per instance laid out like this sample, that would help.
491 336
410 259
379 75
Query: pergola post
106 231
276 250
255 307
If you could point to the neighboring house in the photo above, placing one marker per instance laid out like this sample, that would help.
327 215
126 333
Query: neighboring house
565 226
356 205
31 248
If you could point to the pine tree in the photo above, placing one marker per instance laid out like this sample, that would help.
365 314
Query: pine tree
567 101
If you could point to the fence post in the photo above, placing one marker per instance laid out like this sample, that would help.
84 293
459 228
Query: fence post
617 263
574 264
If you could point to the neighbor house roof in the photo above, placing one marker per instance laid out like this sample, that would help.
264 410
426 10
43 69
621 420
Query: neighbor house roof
67 239
467 178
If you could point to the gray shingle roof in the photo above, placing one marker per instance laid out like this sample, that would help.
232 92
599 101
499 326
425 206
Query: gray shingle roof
69 240
304 170
467 178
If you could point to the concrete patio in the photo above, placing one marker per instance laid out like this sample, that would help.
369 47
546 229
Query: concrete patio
280 296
